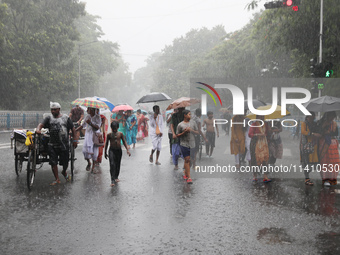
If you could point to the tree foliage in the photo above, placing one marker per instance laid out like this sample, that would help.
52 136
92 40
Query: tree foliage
276 43
41 43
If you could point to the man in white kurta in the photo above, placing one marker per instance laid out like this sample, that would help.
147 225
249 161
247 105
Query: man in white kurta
156 133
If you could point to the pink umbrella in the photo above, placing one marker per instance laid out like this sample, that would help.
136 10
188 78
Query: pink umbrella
122 107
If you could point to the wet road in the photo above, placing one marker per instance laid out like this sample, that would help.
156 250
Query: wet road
153 211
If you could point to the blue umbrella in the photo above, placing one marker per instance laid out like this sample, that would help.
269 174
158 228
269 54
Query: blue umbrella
143 111
107 102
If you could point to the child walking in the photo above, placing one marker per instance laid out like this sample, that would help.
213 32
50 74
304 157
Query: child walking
186 130
115 151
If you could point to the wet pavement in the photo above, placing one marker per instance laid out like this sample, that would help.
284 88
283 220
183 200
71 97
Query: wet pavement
153 211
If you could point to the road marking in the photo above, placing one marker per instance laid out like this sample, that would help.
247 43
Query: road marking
287 152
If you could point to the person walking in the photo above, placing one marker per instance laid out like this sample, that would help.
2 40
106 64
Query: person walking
176 118
197 118
114 140
121 118
237 141
210 133
77 115
59 126
328 149
131 128
103 130
156 133
185 131
259 146
274 142
90 150
308 146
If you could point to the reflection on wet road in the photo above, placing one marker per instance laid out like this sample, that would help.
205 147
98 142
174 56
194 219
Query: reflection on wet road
153 211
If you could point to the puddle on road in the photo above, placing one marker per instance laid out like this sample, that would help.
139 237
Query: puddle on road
274 236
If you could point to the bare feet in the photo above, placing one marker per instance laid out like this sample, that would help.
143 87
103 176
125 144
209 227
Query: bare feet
117 180
112 184
157 163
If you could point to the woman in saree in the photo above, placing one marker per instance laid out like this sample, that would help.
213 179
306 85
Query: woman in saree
237 140
103 128
120 117
308 135
328 149
131 129
259 146
142 125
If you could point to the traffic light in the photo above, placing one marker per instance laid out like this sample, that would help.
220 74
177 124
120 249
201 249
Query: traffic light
321 70
280 4
291 3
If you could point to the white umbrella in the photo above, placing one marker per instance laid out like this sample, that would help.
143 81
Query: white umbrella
323 104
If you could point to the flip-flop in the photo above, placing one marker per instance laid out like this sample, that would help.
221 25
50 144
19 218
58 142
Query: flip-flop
55 183
151 159
309 182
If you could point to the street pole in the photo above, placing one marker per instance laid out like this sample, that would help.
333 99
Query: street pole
320 45
78 71
321 35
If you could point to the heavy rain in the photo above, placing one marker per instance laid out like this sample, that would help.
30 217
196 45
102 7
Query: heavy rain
169 127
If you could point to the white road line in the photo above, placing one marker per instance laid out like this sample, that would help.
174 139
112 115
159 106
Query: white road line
287 152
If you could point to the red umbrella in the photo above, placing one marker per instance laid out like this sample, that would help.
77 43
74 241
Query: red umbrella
122 107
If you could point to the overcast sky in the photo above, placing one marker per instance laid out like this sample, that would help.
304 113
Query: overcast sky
142 27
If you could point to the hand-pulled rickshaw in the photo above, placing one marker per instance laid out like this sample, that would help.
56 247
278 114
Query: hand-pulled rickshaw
32 148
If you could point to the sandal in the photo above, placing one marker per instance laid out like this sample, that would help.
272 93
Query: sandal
309 182
88 167
151 159
55 182
68 178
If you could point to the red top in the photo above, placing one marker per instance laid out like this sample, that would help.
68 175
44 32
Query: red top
258 130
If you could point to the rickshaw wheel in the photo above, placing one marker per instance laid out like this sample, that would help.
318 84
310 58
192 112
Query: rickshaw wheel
31 166
18 164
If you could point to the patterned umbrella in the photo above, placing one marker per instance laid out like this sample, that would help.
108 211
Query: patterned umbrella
106 101
90 102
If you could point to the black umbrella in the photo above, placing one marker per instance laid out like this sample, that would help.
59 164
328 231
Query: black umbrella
323 104
153 97
256 104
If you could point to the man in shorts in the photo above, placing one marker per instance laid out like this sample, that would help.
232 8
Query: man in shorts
210 134
59 126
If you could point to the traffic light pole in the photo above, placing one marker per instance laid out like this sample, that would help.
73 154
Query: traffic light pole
320 46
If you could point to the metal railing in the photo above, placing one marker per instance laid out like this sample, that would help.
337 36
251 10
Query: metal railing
14 119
